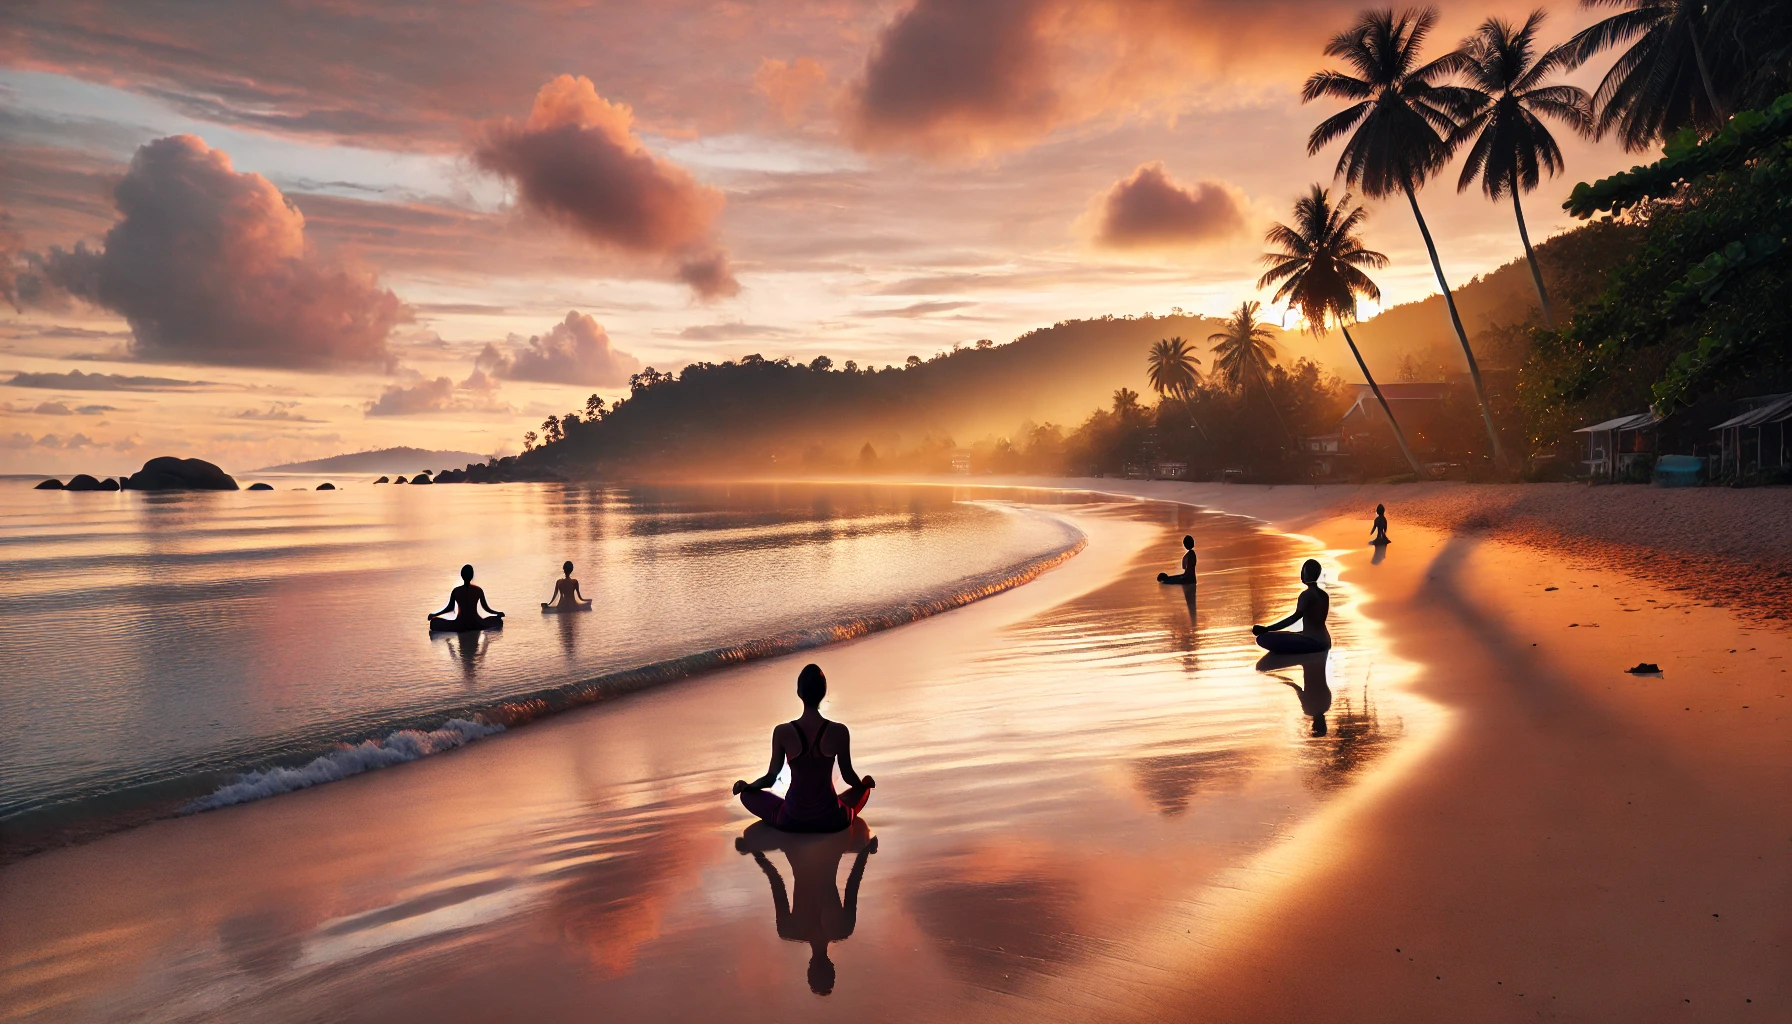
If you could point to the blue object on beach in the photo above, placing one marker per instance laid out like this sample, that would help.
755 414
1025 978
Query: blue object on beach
1679 471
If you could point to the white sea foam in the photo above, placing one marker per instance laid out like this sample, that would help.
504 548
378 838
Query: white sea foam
396 748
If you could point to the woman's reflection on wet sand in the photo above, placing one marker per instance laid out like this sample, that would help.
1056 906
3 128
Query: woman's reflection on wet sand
812 911
1314 692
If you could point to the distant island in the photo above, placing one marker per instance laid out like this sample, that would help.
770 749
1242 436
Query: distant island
386 460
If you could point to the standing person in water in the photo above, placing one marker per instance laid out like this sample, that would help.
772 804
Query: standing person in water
566 594
1310 609
466 600
810 744
1187 575
1379 528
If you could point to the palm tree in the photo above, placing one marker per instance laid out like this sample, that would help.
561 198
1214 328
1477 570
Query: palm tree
1171 368
1400 124
1245 345
1511 142
1663 82
1319 267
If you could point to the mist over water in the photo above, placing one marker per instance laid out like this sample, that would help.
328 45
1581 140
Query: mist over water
166 644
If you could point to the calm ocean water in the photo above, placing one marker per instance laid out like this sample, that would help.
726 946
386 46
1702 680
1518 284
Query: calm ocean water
183 651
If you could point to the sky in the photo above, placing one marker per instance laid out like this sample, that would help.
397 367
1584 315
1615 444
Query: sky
260 233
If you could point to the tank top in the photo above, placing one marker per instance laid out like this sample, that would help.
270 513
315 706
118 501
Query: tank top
811 795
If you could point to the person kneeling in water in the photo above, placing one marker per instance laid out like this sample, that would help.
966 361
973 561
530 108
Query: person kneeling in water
810 744
1378 530
566 594
1310 609
1188 565
465 600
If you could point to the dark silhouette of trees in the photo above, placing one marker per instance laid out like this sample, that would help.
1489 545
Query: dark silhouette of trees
1509 95
1398 130
1319 266
1665 80
1172 368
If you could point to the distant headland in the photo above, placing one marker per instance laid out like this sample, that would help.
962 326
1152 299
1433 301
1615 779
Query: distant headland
385 460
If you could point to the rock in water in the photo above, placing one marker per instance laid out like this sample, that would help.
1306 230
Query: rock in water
422 478
383 480
261 487
110 484
401 480
83 482
326 486
171 474
51 484
1644 668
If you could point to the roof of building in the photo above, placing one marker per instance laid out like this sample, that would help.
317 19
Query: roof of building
1636 421
1773 409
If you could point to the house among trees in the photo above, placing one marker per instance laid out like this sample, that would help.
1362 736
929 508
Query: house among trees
1755 441
1624 448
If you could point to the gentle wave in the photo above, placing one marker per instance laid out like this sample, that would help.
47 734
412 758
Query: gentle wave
404 745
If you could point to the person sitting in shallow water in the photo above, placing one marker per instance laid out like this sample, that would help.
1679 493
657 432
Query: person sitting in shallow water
810 745
1378 530
1310 609
466 600
566 594
1188 565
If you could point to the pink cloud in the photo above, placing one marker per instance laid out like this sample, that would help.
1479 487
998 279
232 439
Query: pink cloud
209 265
1149 209
577 160
575 351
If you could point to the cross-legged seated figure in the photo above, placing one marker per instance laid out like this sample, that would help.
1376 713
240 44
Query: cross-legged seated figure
1188 565
566 594
1310 610
810 745
465 601
1378 530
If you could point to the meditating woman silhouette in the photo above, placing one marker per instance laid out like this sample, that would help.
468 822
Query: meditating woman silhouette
1187 575
466 600
812 910
1310 609
810 744
1378 530
566 595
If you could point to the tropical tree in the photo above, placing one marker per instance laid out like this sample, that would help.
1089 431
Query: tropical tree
1244 348
1172 368
1400 125
1511 145
1319 266
1664 81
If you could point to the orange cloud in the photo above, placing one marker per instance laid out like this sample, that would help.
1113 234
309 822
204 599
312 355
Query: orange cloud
792 87
575 351
212 266
576 160
1150 209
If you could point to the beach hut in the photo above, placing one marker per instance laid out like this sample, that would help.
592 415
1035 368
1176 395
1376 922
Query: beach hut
1755 440
1616 445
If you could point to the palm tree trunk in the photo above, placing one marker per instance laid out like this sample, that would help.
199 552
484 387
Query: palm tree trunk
1549 317
1398 436
1698 56
1474 369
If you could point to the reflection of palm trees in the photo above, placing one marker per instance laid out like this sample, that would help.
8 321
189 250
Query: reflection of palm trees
1511 142
1400 124
1319 266
812 911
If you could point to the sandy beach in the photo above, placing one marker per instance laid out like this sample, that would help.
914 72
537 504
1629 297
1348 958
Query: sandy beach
1500 824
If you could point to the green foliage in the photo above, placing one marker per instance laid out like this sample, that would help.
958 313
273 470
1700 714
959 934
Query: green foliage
1701 308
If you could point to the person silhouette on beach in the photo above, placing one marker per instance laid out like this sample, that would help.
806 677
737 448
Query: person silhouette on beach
1378 530
566 594
1316 695
466 600
812 911
1187 575
810 745
1310 609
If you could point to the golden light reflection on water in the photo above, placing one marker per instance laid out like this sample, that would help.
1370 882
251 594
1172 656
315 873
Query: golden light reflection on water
1067 793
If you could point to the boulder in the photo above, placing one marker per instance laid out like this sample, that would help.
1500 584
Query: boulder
83 482
110 484
400 480
167 473
51 484
383 480
422 478
261 487
326 486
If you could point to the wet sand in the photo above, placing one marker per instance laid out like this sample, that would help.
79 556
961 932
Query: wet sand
1092 806
1063 769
